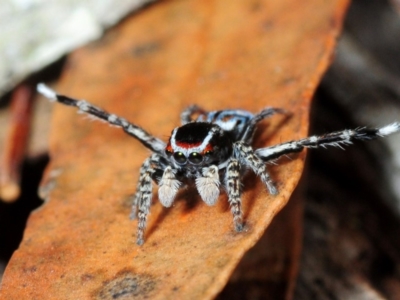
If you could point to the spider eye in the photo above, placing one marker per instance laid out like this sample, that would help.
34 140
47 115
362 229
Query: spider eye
168 152
195 158
179 157
208 153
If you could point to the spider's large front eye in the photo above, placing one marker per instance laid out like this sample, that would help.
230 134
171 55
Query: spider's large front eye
179 157
195 158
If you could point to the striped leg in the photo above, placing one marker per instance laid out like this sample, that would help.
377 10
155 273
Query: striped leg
144 201
149 141
142 173
232 184
246 154
336 139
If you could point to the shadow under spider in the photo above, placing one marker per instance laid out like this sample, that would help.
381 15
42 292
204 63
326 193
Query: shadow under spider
192 199
188 195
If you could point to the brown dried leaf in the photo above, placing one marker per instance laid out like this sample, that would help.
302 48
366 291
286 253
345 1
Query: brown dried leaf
248 54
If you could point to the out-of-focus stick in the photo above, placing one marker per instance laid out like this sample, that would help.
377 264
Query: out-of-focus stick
15 142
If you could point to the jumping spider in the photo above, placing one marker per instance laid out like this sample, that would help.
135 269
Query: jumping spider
211 151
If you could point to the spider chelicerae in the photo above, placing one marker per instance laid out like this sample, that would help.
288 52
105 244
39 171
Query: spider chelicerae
212 151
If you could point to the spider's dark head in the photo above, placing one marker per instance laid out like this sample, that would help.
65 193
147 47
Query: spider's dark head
198 144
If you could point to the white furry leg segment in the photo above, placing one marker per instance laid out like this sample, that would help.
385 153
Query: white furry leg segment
208 185
168 187
246 154
232 183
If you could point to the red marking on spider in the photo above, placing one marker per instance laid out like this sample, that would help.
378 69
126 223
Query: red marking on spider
188 145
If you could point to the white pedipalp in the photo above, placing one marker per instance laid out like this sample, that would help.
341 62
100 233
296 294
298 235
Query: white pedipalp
208 185
168 187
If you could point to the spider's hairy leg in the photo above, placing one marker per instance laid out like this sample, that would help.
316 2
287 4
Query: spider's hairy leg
149 141
245 154
265 113
152 160
336 139
208 185
136 197
143 198
187 113
232 185
168 187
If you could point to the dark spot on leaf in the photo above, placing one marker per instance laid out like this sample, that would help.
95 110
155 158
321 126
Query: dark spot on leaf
146 48
127 285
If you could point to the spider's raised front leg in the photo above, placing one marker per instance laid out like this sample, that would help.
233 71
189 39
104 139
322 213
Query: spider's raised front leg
337 139
154 144
233 188
247 157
